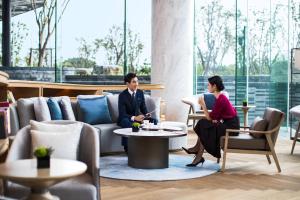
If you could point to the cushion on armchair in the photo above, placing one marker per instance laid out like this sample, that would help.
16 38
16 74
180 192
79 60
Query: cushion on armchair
258 124
63 138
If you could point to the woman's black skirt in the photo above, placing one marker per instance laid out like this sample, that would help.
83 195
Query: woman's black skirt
210 133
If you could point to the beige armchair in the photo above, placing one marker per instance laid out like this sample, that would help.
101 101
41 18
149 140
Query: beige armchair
194 108
195 112
247 144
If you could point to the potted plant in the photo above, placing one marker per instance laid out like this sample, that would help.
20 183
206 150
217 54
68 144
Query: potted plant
245 103
43 156
135 127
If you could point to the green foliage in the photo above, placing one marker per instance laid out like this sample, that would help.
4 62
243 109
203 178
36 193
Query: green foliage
279 70
42 151
136 124
113 44
19 33
79 62
87 53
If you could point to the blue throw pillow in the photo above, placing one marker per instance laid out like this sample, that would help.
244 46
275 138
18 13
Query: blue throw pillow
55 110
94 110
210 100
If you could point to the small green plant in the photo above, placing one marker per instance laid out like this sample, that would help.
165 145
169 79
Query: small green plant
42 151
136 124
245 102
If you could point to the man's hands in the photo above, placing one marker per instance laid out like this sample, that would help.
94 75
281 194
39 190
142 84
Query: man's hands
139 118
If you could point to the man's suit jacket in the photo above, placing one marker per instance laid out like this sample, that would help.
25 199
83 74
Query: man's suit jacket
129 107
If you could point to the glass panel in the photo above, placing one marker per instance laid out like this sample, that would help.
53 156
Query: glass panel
215 43
138 41
279 54
91 42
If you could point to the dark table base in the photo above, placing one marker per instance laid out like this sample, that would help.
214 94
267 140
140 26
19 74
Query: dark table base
148 152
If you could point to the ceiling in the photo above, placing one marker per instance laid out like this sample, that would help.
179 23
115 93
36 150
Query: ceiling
20 6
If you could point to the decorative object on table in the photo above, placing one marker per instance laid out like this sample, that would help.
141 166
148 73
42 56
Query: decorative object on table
245 102
4 120
42 155
135 127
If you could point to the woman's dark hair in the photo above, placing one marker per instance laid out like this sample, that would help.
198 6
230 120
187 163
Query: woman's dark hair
217 80
129 77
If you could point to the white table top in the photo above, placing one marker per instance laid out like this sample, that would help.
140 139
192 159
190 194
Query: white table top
22 170
127 132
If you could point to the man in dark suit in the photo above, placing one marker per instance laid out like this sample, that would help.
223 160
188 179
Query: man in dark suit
132 106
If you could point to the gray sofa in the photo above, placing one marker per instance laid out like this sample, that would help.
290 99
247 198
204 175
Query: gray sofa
22 112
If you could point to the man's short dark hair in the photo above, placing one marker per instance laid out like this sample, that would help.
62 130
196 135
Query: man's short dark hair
129 77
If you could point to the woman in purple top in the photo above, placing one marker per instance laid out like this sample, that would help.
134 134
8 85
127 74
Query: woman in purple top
213 127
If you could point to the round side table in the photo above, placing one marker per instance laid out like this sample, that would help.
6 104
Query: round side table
25 172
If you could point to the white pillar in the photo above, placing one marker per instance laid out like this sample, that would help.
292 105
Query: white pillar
172 54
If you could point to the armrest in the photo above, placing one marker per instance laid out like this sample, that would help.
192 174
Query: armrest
89 151
247 131
21 145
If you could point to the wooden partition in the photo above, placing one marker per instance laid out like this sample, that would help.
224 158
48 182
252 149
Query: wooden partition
25 89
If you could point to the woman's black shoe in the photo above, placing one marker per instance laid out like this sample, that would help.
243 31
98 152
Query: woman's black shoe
195 164
188 151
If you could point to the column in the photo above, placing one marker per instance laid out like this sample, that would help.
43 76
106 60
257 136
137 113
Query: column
172 54
6 16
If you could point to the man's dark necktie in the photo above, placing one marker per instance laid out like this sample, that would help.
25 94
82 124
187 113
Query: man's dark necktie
133 102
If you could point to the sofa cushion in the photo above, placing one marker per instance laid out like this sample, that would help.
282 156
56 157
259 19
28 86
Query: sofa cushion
67 110
41 110
258 124
112 101
54 108
63 138
25 109
94 110
153 103
245 141
77 188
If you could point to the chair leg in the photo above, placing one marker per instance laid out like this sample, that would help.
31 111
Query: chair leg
218 160
224 162
271 145
188 119
268 157
295 138
225 152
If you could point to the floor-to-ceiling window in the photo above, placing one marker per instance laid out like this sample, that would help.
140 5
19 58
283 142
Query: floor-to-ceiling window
255 50
214 41
90 42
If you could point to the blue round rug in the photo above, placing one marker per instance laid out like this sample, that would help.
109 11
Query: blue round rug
116 167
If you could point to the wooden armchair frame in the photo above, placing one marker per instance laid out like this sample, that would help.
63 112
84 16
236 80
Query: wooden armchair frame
266 152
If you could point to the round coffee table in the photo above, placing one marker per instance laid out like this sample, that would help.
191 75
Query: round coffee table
25 172
149 149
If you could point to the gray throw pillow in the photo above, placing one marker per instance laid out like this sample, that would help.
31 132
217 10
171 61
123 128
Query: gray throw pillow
66 108
258 124
41 109
25 110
